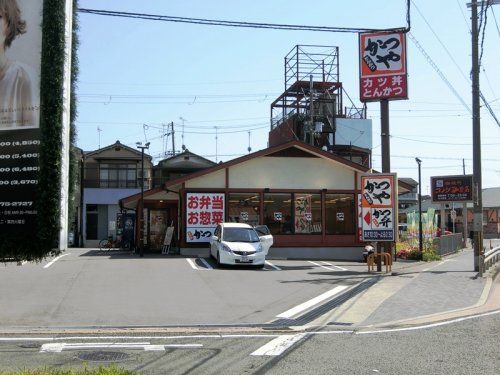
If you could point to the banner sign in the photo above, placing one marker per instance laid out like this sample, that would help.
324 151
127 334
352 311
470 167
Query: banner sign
203 212
451 188
382 66
378 205
20 66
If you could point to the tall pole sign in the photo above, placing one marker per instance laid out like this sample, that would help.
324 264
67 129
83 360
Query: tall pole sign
20 66
383 77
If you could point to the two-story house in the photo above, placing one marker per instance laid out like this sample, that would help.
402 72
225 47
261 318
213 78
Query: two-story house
109 174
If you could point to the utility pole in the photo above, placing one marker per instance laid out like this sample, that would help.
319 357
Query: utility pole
465 214
311 110
476 145
386 165
420 236
141 231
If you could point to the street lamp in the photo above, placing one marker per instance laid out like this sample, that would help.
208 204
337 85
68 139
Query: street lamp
420 242
142 148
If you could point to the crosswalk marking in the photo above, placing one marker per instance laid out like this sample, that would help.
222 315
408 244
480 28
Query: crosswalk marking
278 345
316 300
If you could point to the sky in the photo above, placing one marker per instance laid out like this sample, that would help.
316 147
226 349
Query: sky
216 83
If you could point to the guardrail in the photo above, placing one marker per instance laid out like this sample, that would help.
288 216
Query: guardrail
491 257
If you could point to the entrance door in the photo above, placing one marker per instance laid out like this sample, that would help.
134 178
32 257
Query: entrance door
158 221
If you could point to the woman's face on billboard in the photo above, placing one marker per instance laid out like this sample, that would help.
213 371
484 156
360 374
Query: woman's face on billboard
3 30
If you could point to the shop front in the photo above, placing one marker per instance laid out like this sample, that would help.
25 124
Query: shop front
307 198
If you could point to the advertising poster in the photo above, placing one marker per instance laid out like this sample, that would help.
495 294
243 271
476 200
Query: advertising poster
451 188
303 214
382 66
203 212
379 205
20 65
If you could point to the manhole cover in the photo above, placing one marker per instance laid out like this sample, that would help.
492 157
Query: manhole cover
30 345
103 356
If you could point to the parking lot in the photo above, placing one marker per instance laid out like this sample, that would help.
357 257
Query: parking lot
90 288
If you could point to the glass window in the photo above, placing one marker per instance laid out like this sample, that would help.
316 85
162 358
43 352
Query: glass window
307 209
120 175
240 235
244 208
278 213
340 214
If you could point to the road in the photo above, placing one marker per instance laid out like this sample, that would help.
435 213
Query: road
461 347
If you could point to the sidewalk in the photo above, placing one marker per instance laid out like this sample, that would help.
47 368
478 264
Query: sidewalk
419 289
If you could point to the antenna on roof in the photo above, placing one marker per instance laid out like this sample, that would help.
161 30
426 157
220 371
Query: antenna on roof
99 133
182 135
249 148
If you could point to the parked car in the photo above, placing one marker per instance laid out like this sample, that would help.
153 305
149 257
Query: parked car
239 243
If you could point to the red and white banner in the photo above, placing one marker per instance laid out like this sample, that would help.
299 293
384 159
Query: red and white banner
203 212
382 66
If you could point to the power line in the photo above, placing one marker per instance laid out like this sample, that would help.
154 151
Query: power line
255 25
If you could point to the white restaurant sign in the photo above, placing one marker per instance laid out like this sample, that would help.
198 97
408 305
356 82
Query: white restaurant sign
203 212
378 207
382 66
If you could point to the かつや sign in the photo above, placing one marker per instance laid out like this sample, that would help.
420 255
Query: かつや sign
378 206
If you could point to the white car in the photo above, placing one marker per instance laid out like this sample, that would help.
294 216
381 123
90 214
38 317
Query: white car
239 243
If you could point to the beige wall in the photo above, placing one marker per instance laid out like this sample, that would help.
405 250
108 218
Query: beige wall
291 173
216 180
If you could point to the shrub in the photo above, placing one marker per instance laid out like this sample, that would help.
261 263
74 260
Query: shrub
402 254
430 255
414 255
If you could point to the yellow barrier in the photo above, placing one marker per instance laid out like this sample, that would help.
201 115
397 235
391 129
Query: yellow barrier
387 261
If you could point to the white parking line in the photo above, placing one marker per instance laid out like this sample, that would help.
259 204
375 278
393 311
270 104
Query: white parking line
59 347
278 345
320 265
272 265
312 302
333 265
206 264
191 263
55 260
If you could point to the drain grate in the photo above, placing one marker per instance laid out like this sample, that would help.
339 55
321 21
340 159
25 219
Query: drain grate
102 356
30 345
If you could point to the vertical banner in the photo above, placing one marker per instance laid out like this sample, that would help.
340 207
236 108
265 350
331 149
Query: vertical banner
20 66
382 66
203 212
379 206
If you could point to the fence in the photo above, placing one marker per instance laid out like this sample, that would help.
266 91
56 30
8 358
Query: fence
449 243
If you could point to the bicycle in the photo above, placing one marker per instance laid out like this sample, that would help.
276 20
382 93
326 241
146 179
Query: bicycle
110 243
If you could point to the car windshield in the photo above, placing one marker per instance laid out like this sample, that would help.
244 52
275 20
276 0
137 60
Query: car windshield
240 235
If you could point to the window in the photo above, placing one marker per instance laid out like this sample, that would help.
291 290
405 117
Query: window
298 213
278 213
119 175
307 209
244 208
340 214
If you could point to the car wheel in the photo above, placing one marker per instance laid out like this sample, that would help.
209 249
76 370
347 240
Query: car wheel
260 265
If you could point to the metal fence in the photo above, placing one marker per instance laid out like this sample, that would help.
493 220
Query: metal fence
449 243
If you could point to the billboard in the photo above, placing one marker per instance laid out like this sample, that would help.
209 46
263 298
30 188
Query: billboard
378 207
451 188
203 212
20 66
382 66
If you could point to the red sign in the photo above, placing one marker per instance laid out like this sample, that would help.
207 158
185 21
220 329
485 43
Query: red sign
382 66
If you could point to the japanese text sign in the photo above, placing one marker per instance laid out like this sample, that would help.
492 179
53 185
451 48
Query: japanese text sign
451 188
382 66
203 212
378 207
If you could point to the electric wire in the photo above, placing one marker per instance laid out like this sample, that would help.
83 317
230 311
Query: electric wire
256 25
